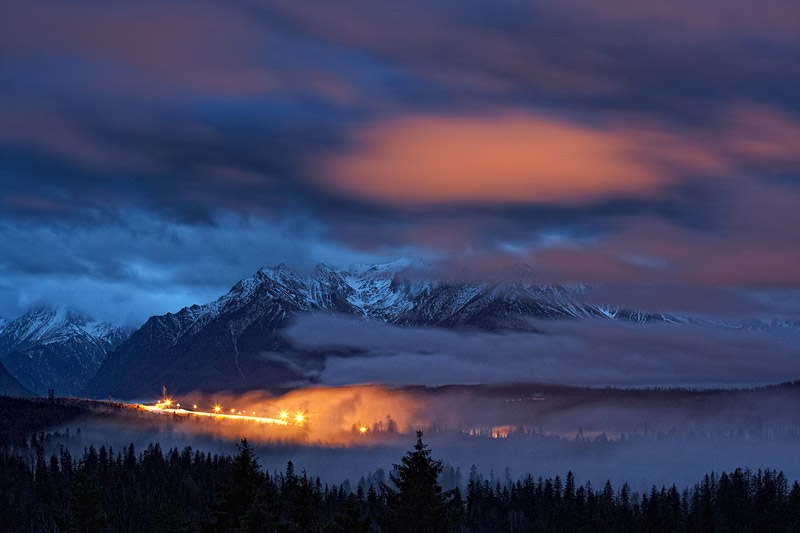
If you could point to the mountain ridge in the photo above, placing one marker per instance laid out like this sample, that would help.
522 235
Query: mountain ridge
236 342
56 348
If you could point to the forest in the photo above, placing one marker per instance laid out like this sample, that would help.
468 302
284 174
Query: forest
189 490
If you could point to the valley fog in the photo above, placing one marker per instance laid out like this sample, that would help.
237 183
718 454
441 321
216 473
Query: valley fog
642 437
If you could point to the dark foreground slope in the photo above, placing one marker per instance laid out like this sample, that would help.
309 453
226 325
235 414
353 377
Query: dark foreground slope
9 386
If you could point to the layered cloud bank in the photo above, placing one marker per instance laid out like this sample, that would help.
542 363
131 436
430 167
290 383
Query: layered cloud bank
587 352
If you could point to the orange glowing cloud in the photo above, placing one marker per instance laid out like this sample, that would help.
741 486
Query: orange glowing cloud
509 158
522 157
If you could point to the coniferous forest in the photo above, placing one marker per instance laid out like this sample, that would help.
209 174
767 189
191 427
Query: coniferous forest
187 490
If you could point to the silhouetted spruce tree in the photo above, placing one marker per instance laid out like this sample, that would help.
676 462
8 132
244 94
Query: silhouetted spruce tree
305 505
242 506
85 514
168 519
42 476
794 507
419 505
350 517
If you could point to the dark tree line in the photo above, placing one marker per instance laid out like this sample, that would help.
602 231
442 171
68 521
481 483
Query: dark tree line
120 490
740 501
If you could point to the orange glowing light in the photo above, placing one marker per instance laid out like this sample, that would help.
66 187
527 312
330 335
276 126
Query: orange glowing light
363 429
217 413
284 415
194 407
233 410
299 418
168 402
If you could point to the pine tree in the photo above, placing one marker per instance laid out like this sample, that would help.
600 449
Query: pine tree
794 506
243 500
419 504
85 509
350 517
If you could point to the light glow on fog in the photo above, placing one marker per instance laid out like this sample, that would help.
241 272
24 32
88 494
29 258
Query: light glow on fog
334 416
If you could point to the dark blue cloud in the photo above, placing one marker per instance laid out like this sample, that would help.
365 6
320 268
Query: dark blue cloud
142 264
148 145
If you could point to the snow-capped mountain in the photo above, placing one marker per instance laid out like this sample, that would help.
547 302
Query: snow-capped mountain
56 348
236 341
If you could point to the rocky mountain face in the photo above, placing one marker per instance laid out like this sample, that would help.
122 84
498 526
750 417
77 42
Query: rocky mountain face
56 348
236 342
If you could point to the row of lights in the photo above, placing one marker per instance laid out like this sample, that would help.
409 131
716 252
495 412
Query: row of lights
284 415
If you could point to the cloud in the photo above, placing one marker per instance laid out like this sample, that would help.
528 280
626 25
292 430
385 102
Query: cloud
509 158
665 60
735 17
522 157
589 352
191 111
128 268
197 46
747 241
705 302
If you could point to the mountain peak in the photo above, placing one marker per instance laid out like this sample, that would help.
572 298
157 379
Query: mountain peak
45 321
390 267
279 271
324 271
54 323
56 347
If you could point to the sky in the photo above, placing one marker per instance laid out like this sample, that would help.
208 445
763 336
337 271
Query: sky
154 153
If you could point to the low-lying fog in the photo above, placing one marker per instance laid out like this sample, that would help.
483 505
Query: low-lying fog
643 437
